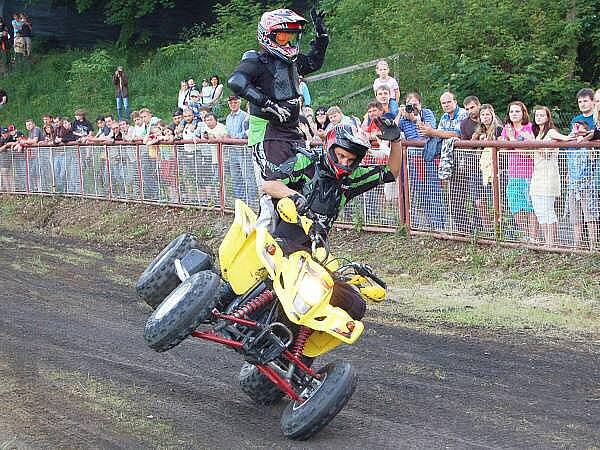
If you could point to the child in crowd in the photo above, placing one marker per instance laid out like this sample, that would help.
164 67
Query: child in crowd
383 71
390 104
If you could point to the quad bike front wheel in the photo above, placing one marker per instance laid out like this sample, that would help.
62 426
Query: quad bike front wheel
160 277
182 311
257 386
324 399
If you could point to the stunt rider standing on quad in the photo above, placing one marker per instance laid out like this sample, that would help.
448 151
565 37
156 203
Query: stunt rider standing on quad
269 81
320 184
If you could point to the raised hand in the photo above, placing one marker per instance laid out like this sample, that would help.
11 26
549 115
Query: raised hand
389 129
318 20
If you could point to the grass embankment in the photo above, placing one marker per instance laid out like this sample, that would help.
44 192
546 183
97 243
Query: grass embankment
432 283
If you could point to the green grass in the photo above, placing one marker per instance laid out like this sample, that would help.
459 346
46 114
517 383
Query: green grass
114 403
436 282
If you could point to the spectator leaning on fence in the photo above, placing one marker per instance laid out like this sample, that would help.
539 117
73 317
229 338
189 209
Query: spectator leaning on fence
518 127
489 129
423 177
585 102
582 192
34 136
176 119
241 166
139 128
6 143
82 128
467 178
545 180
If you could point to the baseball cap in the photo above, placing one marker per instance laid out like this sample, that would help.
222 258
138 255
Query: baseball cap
11 128
177 112
4 130
195 92
233 97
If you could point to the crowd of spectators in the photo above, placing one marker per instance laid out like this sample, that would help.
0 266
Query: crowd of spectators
15 40
531 180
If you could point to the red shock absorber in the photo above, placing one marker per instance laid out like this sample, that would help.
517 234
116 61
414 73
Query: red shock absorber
300 341
263 298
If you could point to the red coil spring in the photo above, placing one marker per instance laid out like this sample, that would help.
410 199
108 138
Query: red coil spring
300 341
257 303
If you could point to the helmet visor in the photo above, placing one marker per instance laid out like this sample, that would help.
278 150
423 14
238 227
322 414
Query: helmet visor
287 38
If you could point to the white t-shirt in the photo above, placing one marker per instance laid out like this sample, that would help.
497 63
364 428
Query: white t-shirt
206 94
390 82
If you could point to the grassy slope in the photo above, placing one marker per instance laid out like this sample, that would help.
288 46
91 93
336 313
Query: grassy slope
431 283
61 81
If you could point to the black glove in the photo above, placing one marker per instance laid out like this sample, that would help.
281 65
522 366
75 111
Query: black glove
389 129
300 202
318 19
280 112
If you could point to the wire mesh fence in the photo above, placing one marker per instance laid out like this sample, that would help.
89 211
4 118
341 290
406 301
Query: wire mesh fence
538 195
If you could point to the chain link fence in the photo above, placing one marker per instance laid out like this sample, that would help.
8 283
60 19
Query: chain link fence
545 198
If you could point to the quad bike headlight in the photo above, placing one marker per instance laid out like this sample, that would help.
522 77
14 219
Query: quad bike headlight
311 291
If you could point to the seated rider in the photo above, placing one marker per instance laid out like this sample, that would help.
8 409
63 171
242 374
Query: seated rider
320 184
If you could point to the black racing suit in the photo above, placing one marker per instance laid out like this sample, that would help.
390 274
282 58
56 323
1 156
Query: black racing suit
262 77
326 196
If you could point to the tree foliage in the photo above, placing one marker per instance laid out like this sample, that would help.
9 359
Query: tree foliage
499 50
125 13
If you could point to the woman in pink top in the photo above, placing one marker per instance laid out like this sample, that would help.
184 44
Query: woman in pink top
520 168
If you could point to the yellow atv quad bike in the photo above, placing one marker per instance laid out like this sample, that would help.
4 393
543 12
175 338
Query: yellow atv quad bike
274 310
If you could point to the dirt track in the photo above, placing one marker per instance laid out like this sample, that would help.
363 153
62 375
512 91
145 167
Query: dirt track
75 373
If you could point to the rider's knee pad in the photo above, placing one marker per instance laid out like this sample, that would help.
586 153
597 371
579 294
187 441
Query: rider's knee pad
349 299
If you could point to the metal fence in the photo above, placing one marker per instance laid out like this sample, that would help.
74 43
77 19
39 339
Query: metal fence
519 194
526 195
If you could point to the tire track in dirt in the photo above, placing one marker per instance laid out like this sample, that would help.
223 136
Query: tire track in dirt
417 389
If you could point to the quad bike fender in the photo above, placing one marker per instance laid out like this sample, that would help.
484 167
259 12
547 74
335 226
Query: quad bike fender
320 343
238 250
291 276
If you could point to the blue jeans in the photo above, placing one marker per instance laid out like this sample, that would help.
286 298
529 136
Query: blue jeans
72 171
122 103
242 175
426 193
60 169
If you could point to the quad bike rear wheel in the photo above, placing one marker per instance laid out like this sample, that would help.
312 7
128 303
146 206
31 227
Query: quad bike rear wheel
182 311
257 386
160 277
324 399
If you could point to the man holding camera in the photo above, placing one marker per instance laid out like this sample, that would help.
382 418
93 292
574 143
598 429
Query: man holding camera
425 189
121 82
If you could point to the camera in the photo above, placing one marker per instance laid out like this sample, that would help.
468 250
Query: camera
410 108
